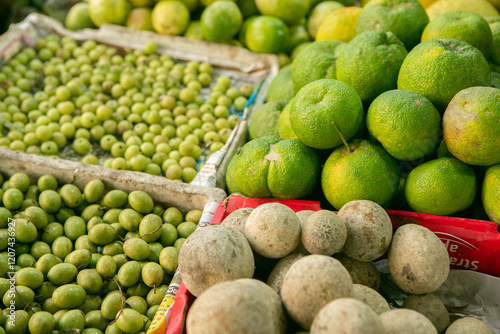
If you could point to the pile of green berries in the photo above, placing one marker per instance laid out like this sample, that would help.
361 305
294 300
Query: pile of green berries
94 260
145 111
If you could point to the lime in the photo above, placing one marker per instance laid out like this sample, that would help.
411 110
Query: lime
266 34
170 17
290 11
140 19
221 21
79 17
108 11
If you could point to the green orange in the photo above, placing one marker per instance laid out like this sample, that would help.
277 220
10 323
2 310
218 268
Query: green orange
316 61
140 19
109 11
440 68
340 25
362 171
79 17
273 167
281 88
221 21
290 11
432 187
471 126
491 193
193 31
264 121
266 34
285 130
480 7
326 112
319 13
370 63
406 124
494 23
170 17
405 18
297 35
464 26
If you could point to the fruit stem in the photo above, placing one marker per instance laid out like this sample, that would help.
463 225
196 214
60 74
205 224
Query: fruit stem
156 229
122 304
24 301
341 136
119 236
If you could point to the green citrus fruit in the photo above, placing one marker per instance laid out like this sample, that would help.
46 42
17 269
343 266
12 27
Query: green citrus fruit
221 21
248 8
480 7
109 11
425 3
264 121
170 17
140 19
290 11
491 193
340 25
270 166
495 79
316 61
440 68
266 34
471 126
494 23
79 17
141 3
194 31
326 112
285 130
319 13
432 187
298 50
297 35
243 31
191 4
207 3
406 124
370 63
281 88
464 26
442 151
364 171
405 18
